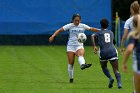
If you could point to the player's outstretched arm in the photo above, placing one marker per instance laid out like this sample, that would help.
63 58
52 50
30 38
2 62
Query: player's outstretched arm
128 51
123 40
94 44
92 29
55 34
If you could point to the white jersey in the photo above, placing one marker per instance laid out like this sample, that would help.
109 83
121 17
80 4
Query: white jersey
129 24
74 31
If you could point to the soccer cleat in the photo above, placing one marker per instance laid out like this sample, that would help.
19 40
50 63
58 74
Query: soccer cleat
71 80
83 66
119 86
110 85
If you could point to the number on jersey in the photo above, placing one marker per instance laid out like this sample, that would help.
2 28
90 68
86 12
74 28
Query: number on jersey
107 37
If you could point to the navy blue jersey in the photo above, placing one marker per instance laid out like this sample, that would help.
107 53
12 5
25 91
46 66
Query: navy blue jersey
136 51
105 41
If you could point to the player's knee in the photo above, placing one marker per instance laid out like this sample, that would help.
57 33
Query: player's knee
80 52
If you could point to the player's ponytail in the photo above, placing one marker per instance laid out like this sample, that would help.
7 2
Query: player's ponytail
136 31
135 8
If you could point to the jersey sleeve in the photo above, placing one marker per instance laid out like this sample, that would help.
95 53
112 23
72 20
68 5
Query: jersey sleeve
96 34
126 25
66 27
93 34
112 34
86 27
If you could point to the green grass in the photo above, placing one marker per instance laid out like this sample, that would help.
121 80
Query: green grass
43 69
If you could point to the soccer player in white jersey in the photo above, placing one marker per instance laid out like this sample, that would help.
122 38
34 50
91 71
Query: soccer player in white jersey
73 46
134 10
134 45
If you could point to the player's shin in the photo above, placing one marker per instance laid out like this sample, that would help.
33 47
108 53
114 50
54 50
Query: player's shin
107 73
81 60
118 77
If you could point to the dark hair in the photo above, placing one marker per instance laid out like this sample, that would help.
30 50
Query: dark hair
104 23
76 15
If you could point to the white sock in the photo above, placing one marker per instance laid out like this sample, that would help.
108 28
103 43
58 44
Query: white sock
81 60
134 85
70 71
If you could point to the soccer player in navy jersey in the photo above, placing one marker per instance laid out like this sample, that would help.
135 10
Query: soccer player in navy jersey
134 45
107 51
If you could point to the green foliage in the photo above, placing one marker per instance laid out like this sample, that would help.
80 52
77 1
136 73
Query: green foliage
43 69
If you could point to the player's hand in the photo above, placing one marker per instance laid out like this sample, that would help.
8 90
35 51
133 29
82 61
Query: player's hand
124 68
122 50
51 38
95 49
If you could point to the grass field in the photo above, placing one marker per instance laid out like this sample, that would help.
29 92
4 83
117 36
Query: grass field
43 69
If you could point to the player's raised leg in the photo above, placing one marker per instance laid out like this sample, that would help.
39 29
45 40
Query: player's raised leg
114 64
71 57
81 59
107 73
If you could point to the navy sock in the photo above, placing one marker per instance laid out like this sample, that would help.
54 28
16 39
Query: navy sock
118 77
107 73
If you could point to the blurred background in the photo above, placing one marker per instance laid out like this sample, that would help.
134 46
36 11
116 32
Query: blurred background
31 22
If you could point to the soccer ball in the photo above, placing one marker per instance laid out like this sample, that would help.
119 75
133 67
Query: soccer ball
82 37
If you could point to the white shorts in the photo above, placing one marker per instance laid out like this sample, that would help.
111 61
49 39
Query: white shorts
135 67
74 48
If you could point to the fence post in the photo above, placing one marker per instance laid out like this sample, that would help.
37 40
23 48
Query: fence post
119 32
116 29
